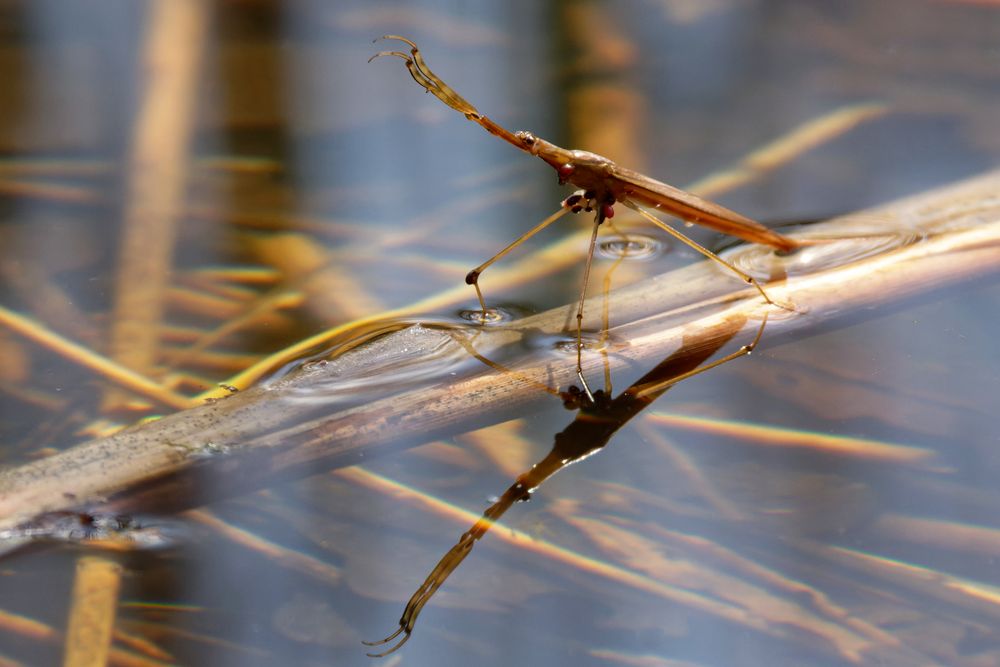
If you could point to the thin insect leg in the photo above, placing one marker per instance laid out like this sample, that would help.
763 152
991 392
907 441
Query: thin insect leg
457 102
423 75
598 219
450 561
448 96
605 325
386 641
437 577
471 350
602 342
473 276
639 391
427 84
605 305
432 83
411 66
706 252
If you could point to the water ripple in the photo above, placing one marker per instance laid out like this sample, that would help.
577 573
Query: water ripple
869 236
630 246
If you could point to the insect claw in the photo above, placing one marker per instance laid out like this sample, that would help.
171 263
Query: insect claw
387 639
423 75
398 38
398 54
393 649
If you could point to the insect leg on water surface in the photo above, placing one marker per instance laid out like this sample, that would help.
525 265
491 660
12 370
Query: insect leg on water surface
602 184
595 424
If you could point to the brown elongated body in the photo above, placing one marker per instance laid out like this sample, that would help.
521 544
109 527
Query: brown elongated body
602 184
692 208
601 179
611 182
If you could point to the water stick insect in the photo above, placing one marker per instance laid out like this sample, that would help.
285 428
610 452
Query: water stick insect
602 183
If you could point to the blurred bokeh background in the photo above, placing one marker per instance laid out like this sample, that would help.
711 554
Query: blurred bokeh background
186 187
